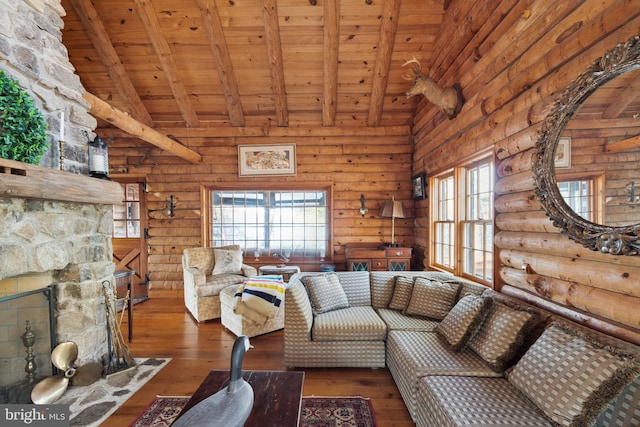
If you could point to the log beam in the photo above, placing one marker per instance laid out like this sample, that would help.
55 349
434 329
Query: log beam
109 57
101 109
330 65
389 26
148 15
625 144
276 64
220 52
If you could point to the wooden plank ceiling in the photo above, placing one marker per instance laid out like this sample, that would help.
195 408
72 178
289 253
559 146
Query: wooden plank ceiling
246 65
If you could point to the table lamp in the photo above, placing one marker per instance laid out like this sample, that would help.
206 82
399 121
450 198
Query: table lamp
392 209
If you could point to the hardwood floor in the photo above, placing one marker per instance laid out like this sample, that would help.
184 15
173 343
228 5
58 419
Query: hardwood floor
163 328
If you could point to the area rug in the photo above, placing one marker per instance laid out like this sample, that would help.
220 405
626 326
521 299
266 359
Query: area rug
90 405
316 412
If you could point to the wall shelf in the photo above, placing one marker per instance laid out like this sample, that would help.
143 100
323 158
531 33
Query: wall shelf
23 180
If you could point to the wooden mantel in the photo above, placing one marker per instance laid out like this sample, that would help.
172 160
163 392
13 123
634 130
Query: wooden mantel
27 181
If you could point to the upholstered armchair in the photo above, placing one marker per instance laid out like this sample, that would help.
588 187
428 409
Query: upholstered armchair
207 271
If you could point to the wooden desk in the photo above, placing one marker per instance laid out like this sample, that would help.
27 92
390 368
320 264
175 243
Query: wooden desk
277 396
371 257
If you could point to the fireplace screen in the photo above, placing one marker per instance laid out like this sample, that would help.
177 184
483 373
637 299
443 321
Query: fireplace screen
27 340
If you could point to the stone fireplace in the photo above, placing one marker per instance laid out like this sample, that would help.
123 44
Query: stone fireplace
58 239
55 221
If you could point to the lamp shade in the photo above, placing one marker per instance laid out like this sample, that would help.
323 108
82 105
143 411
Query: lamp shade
392 209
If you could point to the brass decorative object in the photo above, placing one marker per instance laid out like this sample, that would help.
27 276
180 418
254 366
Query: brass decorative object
622 240
52 388
28 340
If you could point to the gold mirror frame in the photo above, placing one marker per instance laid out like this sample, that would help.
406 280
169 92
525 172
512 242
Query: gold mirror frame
606 239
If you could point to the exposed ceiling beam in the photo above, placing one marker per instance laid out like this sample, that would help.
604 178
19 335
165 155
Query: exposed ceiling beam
622 98
148 15
225 132
389 26
330 67
625 144
276 65
213 26
109 57
121 120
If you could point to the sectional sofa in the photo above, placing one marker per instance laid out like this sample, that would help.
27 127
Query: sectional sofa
460 353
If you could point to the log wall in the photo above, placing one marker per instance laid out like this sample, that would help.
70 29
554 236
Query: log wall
513 59
375 162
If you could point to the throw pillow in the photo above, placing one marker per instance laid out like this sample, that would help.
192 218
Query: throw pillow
571 376
431 299
325 292
464 320
227 261
502 335
401 293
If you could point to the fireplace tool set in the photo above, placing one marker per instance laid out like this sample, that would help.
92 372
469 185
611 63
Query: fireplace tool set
65 354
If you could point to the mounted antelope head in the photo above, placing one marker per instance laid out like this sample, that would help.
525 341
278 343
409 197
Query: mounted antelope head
449 99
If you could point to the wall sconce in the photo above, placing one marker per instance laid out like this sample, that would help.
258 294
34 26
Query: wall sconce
98 158
363 208
169 207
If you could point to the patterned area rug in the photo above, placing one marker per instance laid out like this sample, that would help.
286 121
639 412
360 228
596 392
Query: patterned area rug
316 412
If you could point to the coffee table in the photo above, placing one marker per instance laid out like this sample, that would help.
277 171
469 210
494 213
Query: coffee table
277 396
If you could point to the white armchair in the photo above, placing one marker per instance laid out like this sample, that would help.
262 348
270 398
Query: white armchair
206 272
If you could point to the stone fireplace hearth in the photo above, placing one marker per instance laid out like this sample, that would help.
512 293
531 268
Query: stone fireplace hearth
63 238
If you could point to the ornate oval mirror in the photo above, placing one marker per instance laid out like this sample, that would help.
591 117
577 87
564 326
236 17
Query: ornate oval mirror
586 161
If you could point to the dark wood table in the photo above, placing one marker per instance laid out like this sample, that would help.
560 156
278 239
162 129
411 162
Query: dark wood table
277 396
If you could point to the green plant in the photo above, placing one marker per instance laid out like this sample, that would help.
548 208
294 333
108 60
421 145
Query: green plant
23 130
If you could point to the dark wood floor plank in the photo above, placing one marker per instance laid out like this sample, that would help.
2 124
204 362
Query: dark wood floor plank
163 328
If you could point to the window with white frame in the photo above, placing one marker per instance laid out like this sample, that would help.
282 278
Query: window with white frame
462 221
293 223
580 196
126 217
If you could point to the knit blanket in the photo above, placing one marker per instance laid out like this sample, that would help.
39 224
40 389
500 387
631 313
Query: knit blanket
262 295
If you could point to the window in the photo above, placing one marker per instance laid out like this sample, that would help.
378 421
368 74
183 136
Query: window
294 223
126 217
444 223
462 221
580 196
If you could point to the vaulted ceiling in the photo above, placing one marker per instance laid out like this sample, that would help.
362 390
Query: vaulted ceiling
244 64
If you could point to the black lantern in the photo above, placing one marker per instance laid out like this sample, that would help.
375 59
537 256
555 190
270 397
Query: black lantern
98 158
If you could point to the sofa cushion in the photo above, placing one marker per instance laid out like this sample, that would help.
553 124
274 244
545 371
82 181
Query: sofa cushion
395 320
571 376
503 334
412 355
447 401
349 324
624 410
325 292
464 320
401 293
227 261
432 298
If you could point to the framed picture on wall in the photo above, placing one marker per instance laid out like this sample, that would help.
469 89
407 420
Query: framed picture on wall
260 160
563 153
418 187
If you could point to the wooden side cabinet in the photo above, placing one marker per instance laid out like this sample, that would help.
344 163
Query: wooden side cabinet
363 257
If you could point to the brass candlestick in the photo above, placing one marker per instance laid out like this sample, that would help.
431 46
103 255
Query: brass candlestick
28 340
